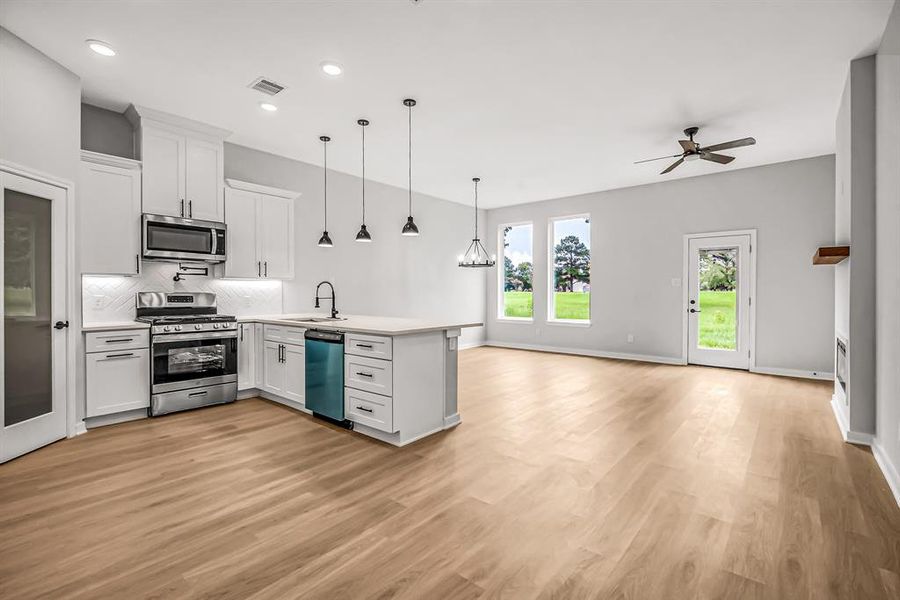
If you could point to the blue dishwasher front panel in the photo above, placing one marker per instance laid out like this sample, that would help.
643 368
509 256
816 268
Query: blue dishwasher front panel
325 373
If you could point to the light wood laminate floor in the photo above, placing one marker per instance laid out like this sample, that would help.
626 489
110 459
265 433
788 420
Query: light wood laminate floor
570 477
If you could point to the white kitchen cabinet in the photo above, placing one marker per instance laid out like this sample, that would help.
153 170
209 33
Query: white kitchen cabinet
184 166
246 356
260 223
284 364
117 379
109 197
294 365
273 372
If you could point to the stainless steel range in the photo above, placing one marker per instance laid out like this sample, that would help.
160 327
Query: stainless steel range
194 350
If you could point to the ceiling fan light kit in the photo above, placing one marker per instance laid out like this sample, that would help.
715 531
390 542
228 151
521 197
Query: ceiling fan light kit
693 151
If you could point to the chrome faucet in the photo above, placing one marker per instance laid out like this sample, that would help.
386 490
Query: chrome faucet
334 312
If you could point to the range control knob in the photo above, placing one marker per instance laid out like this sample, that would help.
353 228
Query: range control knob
165 328
178 328
198 326
215 325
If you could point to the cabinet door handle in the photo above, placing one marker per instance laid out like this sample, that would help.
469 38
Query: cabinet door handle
266 269
242 332
258 269
137 264
182 207
190 209
123 355
369 346
361 374
118 340
368 410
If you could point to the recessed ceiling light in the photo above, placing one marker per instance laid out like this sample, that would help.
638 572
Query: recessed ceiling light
268 106
100 47
331 69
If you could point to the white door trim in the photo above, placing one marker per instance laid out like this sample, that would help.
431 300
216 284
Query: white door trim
73 333
686 258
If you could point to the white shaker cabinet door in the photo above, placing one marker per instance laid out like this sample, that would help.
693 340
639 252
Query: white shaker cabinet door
294 372
276 234
242 243
246 356
162 158
110 201
273 369
204 180
117 381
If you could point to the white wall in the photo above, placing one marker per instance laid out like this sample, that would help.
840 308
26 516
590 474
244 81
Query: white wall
392 276
887 427
637 239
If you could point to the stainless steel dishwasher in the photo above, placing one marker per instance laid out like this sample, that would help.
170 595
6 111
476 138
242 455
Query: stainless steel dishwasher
325 375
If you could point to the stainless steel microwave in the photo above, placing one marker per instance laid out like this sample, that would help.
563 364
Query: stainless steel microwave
175 238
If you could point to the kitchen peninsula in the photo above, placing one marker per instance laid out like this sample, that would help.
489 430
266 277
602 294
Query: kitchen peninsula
399 374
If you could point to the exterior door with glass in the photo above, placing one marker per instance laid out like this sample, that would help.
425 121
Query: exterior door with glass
35 326
718 300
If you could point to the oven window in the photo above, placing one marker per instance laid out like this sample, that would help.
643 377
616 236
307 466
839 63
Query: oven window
168 237
193 359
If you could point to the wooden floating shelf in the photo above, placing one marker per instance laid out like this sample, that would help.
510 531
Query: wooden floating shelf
830 255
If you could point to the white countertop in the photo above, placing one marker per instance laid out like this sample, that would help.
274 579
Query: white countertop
114 326
362 323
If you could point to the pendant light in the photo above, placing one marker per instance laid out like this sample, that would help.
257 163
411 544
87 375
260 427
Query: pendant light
476 255
410 227
363 235
325 241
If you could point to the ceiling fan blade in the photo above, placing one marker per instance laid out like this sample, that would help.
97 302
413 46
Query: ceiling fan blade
749 141
688 145
673 165
660 158
717 158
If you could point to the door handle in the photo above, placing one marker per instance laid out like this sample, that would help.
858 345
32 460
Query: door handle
361 374
368 410
190 209
367 346
694 310
123 355
60 325
266 269
182 207
203 393
242 332
258 269
137 264
118 340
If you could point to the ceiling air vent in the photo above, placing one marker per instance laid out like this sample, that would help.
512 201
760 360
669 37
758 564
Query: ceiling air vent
266 86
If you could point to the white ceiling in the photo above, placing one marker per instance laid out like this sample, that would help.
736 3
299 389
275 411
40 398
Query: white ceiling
541 99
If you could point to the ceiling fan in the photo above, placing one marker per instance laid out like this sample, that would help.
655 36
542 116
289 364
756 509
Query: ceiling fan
694 151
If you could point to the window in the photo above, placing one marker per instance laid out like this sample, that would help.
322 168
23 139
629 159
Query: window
570 274
515 293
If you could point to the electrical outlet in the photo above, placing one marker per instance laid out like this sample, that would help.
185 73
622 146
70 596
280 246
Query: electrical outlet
630 338
98 301
247 302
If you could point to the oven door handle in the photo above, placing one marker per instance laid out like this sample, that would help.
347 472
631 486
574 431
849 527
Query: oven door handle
215 240
200 335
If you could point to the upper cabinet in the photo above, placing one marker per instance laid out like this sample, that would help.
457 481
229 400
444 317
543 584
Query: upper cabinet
260 222
109 198
183 165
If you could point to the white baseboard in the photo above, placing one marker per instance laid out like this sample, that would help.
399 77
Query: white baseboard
290 403
452 421
793 373
889 469
80 428
113 419
472 345
666 360
853 437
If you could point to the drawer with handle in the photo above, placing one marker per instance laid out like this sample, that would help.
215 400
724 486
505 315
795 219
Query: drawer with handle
284 334
366 408
376 346
107 341
369 374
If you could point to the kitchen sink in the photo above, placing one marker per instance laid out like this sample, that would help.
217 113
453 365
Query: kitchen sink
318 319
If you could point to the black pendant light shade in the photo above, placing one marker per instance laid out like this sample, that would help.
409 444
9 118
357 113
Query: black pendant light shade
410 227
476 255
363 235
325 240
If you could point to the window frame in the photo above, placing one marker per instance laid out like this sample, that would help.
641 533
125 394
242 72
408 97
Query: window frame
551 269
501 275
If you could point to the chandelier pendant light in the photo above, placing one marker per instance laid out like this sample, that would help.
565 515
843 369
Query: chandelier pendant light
363 235
325 240
476 255
410 227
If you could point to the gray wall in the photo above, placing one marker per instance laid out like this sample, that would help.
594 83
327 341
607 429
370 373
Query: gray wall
854 288
887 427
392 276
106 132
637 240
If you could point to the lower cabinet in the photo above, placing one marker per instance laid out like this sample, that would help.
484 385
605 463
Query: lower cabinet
284 370
246 356
117 380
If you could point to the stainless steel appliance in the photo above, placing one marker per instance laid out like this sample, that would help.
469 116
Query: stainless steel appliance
193 350
324 353
175 238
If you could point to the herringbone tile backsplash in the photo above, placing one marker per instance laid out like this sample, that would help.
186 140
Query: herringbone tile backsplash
106 299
